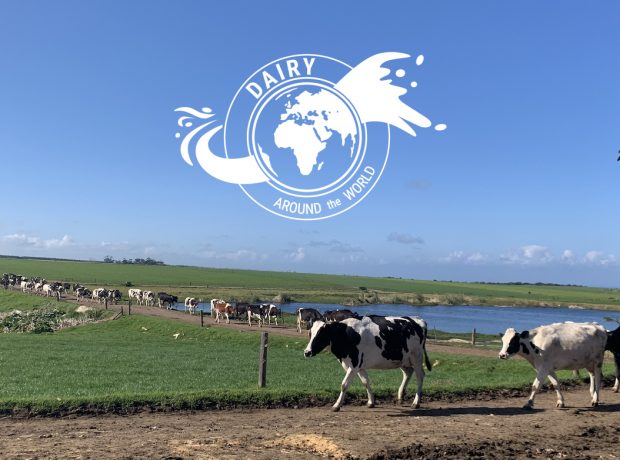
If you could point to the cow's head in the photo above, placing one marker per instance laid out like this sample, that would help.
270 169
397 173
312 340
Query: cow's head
511 342
319 339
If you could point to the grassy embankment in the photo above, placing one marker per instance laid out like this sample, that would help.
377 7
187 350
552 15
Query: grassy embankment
136 362
252 285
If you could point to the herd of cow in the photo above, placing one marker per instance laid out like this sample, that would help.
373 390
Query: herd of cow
389 342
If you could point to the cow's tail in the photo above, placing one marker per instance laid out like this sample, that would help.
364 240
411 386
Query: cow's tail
429 366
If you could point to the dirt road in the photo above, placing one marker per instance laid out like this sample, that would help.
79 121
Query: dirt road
459 429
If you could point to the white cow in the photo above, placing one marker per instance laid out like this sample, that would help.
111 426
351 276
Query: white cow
559 346
48 290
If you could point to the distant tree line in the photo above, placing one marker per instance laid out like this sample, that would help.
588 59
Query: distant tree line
137 261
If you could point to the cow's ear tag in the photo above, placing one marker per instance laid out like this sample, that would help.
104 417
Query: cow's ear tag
525 334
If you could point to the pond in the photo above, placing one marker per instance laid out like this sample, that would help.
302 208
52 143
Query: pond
486 319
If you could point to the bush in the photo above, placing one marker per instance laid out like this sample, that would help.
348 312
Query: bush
455 299
45 320
282 298
128 284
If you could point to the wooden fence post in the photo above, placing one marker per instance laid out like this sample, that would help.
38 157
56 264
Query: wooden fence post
473 337
262 360
106 303
202 318
129 307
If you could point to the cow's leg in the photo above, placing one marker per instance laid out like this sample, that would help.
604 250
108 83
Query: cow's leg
419 377
407 373
227 319
592 384
363 375
541 375
299 324
343 388
556 384
617 361
249 318
595 382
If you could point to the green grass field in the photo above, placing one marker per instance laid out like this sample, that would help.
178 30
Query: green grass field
305 287
137 362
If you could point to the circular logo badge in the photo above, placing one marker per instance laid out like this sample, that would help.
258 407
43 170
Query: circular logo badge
306 137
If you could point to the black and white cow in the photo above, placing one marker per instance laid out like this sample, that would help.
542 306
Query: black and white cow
613 345
374 342
255 312
307 316
100 294
339 315
167 300
135 294
148 297
82 293
191 304
114 296
559 346
271 311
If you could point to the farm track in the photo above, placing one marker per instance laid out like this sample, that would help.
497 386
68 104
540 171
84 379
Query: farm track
276 330
494 428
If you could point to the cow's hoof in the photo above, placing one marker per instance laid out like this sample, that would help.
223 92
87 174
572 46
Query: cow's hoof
594 403
616 390
335 409
370 405
416 406
528 406
559 405
399 401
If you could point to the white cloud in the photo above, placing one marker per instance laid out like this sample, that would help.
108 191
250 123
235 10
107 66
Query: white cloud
404 238
531 254
297 255
600 258
534 255
472 258
23 240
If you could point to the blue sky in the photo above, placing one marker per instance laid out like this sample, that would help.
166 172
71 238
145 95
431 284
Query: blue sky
523 185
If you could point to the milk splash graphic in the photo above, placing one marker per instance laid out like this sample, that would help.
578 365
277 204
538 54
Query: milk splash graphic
363 93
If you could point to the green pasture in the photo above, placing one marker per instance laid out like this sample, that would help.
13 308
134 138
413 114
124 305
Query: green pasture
264 285
136 361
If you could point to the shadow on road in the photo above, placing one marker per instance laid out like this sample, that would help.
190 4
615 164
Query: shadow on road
507 411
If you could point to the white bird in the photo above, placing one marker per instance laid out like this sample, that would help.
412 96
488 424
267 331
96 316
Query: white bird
143 328
176 336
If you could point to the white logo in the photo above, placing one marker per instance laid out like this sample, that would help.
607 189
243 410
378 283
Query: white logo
306 137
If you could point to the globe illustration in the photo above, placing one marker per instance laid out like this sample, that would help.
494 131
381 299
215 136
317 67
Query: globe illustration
306 137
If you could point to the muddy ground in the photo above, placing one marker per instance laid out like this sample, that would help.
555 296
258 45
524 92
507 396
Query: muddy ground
469 428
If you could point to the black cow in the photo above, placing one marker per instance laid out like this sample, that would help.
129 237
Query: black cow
307 316
613 345
239 310
339 315
374 342
114 295
167 299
